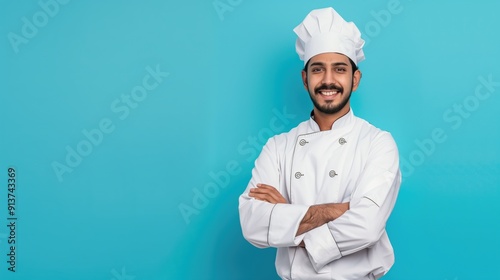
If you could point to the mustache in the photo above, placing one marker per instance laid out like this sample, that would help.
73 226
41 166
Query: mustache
329 87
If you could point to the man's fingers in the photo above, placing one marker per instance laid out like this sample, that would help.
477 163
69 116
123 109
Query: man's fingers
274 193
267 193
263 197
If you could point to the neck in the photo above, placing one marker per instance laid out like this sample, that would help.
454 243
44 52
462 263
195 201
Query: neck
325 121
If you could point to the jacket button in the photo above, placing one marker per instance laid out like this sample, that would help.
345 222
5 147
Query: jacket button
332 173
298 175
303 142
342 141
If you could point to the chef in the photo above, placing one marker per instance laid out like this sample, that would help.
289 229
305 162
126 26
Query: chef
322 192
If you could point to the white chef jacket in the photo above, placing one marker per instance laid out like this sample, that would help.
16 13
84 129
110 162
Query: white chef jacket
353 162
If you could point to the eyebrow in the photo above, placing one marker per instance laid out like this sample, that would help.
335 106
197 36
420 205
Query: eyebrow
333 64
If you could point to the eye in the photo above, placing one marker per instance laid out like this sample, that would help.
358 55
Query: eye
341 69
316 69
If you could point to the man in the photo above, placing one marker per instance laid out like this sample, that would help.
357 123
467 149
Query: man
322 193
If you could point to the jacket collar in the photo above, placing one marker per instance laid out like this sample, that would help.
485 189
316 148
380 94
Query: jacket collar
343 121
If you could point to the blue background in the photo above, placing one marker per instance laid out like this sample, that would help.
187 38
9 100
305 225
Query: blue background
230 69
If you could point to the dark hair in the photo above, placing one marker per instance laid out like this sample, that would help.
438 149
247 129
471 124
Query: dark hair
354 66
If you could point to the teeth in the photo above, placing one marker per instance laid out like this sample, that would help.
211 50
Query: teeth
328 93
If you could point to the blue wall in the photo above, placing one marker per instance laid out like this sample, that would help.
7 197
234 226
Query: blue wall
132 129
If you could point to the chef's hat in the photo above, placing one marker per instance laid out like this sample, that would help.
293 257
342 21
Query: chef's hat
324 30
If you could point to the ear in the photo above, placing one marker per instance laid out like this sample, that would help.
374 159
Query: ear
304 79
356 78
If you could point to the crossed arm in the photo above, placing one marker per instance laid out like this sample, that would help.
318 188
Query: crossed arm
315 216
327 231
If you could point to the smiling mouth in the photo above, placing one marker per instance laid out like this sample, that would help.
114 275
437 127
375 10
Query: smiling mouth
328 92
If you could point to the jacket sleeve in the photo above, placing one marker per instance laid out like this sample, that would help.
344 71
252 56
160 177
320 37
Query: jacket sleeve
371 204
265 224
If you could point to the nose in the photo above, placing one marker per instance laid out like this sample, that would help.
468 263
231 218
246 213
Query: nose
328 77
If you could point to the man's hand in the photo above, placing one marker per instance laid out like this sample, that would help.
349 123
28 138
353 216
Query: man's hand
320 214
267 193
316 215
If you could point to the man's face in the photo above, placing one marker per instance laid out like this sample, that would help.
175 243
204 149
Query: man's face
330 82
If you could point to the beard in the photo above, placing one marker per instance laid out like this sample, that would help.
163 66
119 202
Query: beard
330 107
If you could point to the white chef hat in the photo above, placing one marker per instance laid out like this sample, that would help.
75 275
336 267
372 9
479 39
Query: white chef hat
324 30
